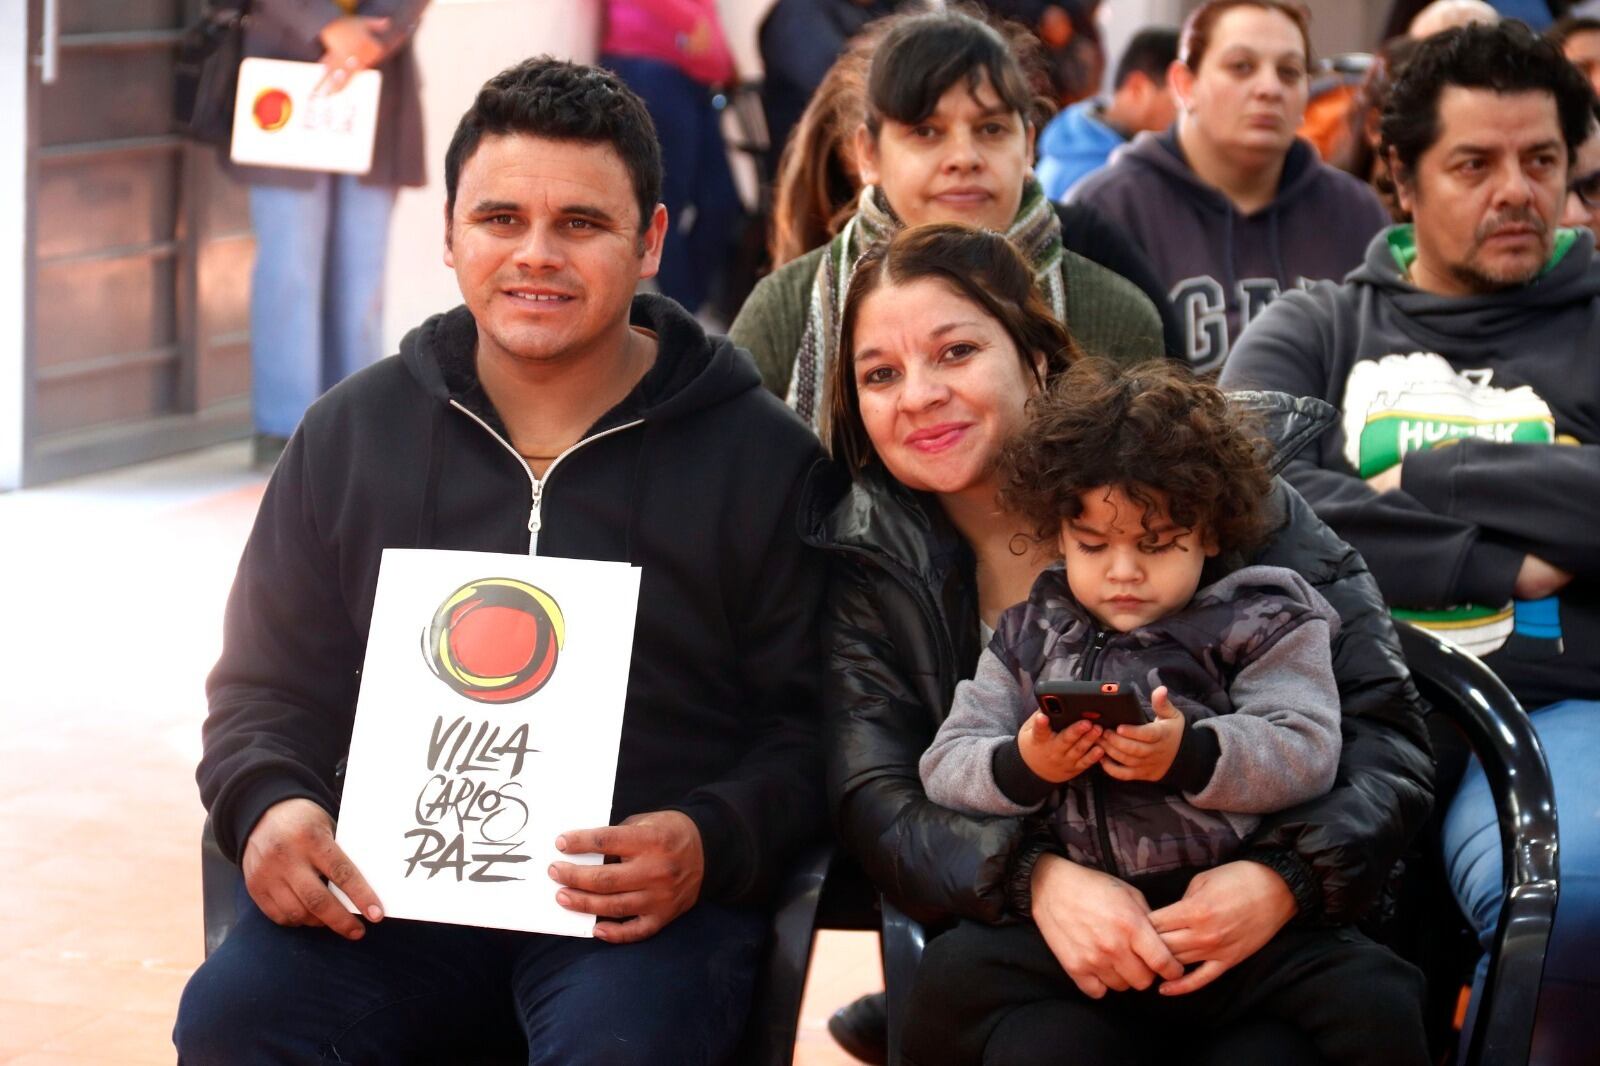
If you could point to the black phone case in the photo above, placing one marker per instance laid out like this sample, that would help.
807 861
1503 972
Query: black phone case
1105 703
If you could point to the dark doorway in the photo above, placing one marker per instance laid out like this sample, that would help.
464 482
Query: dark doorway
138 250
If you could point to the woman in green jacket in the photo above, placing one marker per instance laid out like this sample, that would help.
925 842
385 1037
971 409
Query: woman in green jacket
946 138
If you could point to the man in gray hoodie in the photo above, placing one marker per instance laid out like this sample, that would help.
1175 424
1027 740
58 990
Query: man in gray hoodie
1465 357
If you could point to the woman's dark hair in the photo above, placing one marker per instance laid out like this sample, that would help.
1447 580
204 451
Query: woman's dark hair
977 265
1154 426
1503 57
1195 39
561 101
923 55
818 176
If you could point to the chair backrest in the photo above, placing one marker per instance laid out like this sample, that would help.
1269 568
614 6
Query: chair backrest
1461 687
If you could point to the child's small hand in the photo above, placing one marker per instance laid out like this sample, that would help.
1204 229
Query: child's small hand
1058 757
1145 752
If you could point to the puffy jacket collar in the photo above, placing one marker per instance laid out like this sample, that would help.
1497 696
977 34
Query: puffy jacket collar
877 514
1289 423
906 534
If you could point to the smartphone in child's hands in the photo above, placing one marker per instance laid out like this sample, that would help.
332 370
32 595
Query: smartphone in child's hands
1105 703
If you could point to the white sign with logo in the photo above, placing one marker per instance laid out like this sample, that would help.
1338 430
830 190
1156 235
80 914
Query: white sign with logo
489 721
280 119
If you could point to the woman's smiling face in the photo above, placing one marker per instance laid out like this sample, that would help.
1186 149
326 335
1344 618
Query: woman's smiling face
940 383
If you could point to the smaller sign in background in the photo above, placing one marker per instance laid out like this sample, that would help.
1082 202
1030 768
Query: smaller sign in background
574 721
280 121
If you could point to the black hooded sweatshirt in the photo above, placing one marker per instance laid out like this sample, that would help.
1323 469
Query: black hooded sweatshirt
694 477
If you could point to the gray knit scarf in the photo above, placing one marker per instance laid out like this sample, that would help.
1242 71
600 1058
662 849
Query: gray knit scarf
1035 232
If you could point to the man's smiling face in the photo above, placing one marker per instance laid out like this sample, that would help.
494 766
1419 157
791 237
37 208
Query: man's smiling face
547 247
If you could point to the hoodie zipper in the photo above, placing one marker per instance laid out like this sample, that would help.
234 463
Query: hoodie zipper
536 485
1097 782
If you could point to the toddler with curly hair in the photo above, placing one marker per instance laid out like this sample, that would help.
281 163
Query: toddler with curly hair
1144 477
1155 491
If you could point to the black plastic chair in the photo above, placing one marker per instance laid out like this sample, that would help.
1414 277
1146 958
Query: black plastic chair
770 1033
1471 697
1475 701
903 940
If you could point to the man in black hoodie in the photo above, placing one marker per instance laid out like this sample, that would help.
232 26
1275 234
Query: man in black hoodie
1465 357
554 413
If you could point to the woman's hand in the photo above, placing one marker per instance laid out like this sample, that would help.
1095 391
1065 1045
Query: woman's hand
1225 916
1058 757
1145 752
1098 928
350 45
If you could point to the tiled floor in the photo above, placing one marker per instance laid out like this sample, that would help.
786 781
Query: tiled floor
111 593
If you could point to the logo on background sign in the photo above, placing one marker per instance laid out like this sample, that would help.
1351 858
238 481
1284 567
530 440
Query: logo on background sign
272 109
495 640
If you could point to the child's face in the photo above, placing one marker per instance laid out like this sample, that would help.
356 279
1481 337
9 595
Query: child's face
1123 574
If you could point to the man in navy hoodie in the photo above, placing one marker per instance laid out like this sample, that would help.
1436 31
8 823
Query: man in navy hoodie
1465 357
553 413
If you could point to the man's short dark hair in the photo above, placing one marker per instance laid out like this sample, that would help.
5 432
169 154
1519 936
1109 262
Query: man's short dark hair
1503 57
561 101
1150 53
1565 29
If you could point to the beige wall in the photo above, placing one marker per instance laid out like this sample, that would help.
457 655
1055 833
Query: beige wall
460 45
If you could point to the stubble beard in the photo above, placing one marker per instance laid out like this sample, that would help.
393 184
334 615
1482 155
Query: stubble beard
1482 279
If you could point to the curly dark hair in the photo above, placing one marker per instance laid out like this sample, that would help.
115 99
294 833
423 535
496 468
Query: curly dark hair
561 101
1153 426
1503 57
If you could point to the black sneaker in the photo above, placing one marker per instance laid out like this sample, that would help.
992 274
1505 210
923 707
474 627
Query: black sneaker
862 1028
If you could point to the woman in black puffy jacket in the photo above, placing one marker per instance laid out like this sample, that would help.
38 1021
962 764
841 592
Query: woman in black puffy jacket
910 588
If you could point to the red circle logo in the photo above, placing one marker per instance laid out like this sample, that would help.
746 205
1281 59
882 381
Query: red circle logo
272 109
495 640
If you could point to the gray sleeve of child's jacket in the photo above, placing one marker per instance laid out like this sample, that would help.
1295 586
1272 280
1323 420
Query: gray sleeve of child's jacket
958 768
1280 746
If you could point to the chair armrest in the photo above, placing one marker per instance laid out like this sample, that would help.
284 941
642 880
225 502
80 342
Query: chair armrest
774 1024
219 880
1460 686
903 941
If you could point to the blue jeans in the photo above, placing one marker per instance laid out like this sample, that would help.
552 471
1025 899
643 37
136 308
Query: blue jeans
316 297
426 993
694 166
1570 995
